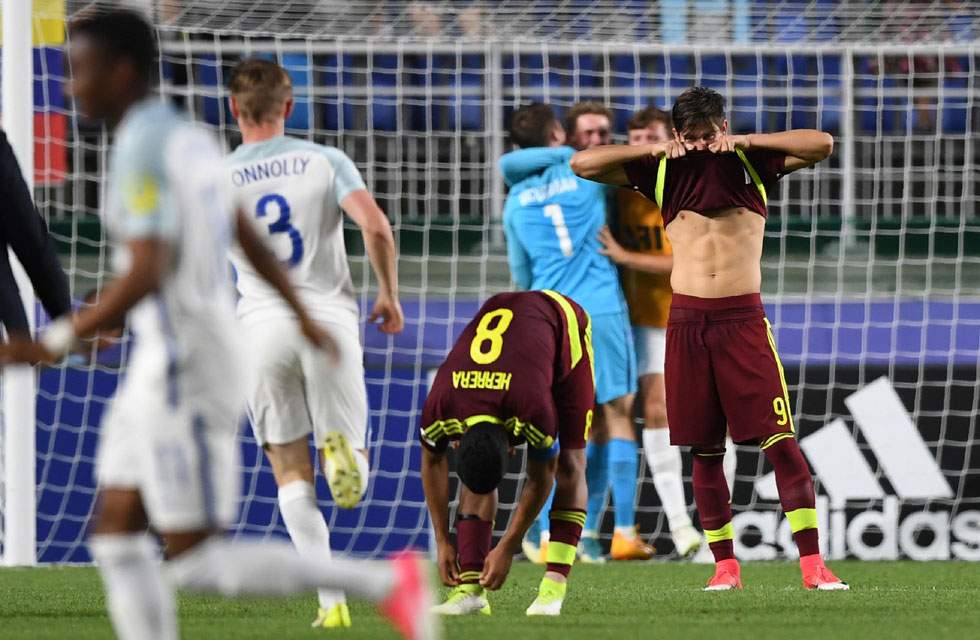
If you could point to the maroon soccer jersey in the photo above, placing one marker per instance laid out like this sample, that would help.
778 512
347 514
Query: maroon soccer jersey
524 362
702 181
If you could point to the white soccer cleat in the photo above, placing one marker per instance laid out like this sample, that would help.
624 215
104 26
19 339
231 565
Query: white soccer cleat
550 596
346 470
687 540
465 600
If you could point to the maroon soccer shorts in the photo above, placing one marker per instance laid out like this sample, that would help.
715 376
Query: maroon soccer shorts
722 370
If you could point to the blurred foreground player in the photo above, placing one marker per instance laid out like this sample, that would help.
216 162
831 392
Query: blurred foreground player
521 371
167 455
721 361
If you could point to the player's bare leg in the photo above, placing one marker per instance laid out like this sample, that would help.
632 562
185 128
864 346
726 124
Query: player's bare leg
623 469
567 517
204 561
795 485
714 506
597 481
474 532
141 603
292 468
665 465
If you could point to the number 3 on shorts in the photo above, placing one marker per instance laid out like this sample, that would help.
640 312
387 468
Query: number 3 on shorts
494 336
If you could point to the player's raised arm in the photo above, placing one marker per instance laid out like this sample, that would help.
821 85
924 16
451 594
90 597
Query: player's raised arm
803 147
268 266
435 484
380 244
605 164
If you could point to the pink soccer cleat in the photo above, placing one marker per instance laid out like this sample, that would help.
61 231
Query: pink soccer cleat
408 605
817 576
728 575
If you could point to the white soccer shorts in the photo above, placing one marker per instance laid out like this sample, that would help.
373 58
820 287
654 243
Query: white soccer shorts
296 390
183 458
651 349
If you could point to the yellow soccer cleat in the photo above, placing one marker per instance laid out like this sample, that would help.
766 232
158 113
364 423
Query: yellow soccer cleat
465 600
346 470
630 548
337 617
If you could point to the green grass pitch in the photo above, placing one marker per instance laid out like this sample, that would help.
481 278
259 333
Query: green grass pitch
621 601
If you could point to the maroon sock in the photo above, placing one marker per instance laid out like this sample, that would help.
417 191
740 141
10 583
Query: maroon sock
713 501
473 545
566 527
795 485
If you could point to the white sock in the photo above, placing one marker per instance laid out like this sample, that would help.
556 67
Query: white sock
308 529
665 466
729 464
273 568
141 603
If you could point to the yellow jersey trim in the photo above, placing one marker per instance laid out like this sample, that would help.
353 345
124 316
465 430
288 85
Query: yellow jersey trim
756 180
661 179
574 338
782 375
453 427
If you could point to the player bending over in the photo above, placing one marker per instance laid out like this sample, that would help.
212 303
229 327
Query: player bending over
721 361
645 254
551 219
521 371
167 449
294 191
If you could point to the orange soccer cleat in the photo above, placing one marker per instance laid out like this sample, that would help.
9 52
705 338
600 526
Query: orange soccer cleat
728 575
817 576
626 547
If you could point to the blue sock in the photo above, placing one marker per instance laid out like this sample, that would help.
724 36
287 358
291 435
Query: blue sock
623 467
544 521
597 480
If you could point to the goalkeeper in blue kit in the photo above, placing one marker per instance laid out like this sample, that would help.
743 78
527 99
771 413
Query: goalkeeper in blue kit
552 220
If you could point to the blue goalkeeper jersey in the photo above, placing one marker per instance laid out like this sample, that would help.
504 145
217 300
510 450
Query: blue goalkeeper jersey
552 219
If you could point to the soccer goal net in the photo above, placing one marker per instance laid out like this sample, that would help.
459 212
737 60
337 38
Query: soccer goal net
871 272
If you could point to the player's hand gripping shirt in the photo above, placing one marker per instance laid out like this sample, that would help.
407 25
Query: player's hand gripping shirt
292 190
524 362
640 227
165 183
552 219
703 181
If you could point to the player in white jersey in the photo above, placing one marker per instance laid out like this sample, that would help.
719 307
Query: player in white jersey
296 193
167 448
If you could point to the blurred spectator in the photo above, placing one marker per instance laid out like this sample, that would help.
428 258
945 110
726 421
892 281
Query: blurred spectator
426 19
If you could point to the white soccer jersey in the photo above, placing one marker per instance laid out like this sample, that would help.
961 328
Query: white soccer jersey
166 182
292 190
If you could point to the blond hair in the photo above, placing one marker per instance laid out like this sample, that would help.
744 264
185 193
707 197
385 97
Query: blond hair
261 88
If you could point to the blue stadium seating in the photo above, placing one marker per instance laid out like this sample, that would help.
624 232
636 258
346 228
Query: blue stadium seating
338 75
209 77
469 106
384 103
955 109
745 108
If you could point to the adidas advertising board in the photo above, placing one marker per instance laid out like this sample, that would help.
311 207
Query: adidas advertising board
912 517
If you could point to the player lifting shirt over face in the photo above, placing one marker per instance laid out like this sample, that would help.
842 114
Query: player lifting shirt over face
521 372
721 363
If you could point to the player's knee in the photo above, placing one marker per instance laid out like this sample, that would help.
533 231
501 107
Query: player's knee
571 467
120 511
655 413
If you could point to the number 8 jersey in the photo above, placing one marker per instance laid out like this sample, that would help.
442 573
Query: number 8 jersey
292 190
524 362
